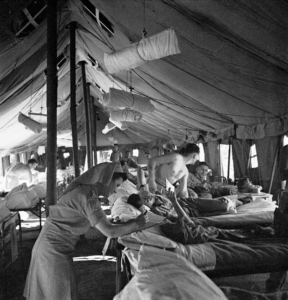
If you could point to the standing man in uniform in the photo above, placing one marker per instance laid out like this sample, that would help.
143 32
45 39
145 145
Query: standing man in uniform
116 155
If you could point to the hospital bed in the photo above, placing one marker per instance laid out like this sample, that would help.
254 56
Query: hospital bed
217 258
31 199
38 210
260 211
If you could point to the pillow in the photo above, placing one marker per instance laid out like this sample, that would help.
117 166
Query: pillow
21 187
166 275
22 199
125 189
128 186
123 210
40 189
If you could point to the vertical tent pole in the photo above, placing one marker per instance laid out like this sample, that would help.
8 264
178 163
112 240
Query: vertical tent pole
95 131
274 167
1 167
5 163
73 112
229 157
249 160
52 82
87 115
91 122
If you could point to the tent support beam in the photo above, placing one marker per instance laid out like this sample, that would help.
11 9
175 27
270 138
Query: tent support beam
52 84
91 122
229 157
94 110
73 112
87 115
274 167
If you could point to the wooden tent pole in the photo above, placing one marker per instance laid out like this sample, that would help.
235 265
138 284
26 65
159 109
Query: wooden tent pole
6 163
249 160
52 83
73 112
94 110
87 115
91 121
274 167
1 167
229 156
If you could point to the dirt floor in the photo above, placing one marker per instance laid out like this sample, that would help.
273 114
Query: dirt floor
95 275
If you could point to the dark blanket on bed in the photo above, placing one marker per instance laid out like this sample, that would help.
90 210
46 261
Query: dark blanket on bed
188 234
235 293
259 252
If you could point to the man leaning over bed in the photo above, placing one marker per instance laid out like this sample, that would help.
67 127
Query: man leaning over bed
172 167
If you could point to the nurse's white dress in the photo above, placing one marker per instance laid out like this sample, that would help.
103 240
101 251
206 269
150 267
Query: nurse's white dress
50 275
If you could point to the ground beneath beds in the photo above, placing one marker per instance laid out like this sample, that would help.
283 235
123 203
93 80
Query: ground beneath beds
96 276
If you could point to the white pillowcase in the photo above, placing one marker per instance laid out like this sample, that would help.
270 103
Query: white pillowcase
123 210
125 189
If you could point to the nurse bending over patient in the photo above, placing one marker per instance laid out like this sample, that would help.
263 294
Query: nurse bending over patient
50 274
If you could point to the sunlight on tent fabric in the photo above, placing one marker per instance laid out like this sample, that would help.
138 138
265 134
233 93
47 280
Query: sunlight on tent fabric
157 46
66 142
95 258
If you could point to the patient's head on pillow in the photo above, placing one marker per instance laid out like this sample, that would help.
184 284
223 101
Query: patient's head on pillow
135 200
149 199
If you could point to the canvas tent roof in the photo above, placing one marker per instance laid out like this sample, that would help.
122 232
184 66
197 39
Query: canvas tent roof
229 80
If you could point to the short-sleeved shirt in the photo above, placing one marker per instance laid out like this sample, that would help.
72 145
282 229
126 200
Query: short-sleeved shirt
77 211
132 163
115 156
194 181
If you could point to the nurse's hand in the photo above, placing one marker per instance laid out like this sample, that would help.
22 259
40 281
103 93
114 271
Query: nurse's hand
142 219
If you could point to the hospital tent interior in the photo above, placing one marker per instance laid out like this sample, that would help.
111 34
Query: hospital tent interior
149 75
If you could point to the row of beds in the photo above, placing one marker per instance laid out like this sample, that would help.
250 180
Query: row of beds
216 258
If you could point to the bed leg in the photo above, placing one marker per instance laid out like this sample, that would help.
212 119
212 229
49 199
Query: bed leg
275 281
118 272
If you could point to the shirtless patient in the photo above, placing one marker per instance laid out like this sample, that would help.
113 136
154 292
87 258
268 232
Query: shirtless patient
172 167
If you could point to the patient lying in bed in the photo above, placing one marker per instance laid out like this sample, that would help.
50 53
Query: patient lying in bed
182 228
194 207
